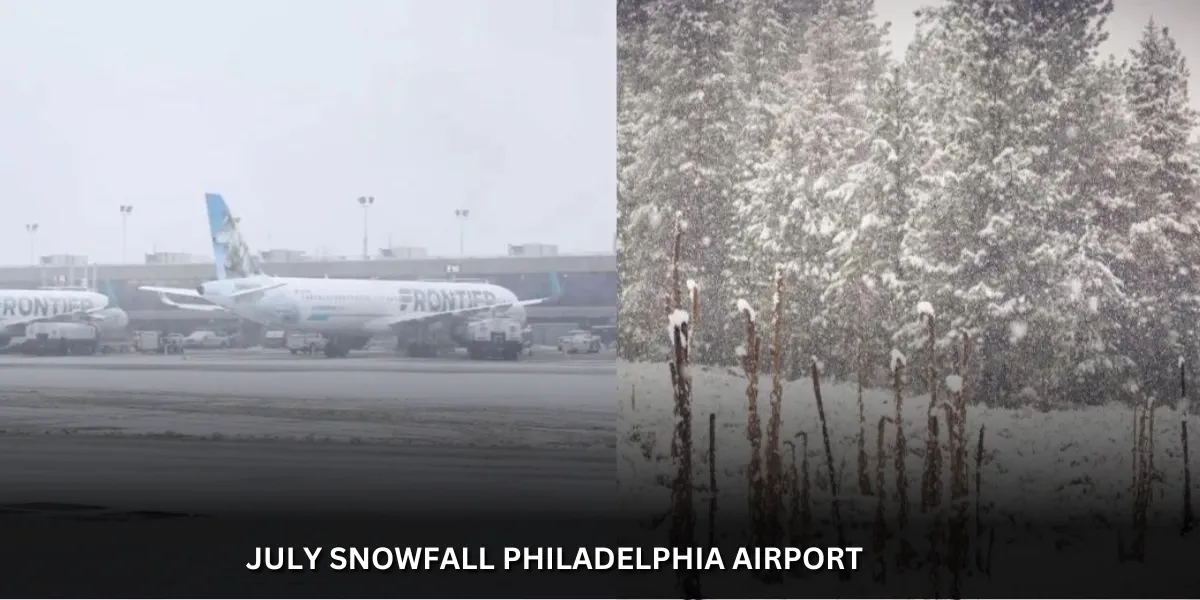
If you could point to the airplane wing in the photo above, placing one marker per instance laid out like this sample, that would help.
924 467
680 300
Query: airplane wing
257 290
410 317
190 293
163 293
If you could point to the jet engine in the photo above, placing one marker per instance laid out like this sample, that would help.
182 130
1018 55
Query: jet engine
110 319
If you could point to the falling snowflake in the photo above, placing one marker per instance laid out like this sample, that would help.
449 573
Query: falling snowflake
954 383
925 309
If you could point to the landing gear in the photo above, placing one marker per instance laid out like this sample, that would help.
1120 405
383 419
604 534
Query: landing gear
418 350
419 341
334 348
485 350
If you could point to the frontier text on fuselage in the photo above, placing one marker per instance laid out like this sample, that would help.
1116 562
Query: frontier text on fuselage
43 307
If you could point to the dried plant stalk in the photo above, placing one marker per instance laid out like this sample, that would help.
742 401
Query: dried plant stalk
931 478
793 480
801 524
1151 472
957 544
1142 485
773 517
712 480
881 528
754 470
695 292
982 562
1189 518
683 510
932 367
901 448
1137 423
864 480
833 487
673 299
959 487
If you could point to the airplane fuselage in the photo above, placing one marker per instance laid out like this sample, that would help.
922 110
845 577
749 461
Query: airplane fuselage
350 306
29 304
19 308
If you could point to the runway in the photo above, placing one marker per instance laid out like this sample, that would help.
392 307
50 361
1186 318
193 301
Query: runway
242 430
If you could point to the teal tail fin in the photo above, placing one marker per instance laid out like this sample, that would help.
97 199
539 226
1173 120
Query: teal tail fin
106 288
555 285
231 256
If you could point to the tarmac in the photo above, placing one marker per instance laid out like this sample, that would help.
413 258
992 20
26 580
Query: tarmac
217 432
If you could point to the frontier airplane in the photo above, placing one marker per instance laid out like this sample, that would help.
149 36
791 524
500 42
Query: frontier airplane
347 312
19 308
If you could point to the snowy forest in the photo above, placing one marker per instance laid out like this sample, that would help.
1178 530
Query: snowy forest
1041 195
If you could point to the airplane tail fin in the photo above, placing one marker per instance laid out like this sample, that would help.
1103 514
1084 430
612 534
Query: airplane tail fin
231 256
555 285
107 289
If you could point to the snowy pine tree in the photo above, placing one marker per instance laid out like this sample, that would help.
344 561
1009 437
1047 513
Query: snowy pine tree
984 247
865 297
684 165
763 46
823 133
639 232
1165 245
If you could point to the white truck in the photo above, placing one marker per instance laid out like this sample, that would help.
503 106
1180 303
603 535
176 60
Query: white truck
304 343
275 338
206 340
495 337
61 339
579 341
147 341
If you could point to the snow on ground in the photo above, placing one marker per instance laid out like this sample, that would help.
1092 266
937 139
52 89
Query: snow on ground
409 403
1075 462
1081 457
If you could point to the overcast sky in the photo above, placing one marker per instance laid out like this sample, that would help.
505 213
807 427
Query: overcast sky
294 108
1124 26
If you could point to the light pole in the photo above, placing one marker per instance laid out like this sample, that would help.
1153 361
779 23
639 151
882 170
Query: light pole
461 214
126 209
32 228
365 202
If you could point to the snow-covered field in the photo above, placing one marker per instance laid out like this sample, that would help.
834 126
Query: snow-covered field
1066 466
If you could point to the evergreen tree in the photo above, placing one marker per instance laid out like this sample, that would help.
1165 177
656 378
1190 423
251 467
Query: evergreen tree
980 247
636 214
823 133
685 164
864 298
1165 251
763 45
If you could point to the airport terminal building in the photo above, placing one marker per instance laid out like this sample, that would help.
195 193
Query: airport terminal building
588 295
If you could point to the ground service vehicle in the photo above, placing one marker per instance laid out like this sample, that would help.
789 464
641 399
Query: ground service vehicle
579 341
147 341
61 338
304 343
206 339
499 337
173 343
275 338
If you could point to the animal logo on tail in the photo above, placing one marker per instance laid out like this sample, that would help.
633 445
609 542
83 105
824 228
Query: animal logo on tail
231 255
